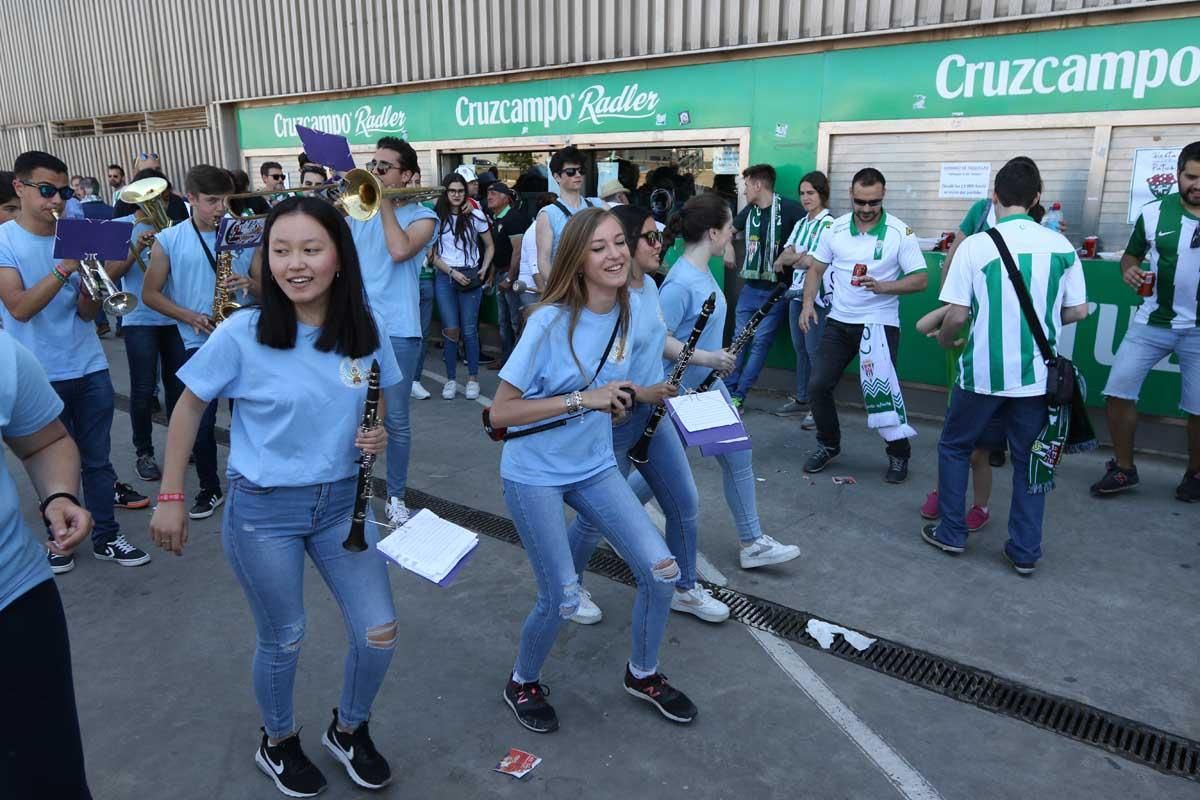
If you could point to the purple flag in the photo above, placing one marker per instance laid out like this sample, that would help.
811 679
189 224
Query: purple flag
326 148
106 239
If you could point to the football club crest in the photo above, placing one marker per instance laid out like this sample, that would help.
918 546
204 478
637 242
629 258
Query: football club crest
353 372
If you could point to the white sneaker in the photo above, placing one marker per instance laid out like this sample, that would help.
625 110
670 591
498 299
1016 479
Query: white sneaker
449 389
588 613
764 550
808 423
419 392
700 601
397 512
472 390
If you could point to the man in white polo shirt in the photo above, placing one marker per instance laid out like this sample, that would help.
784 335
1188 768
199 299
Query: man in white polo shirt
1003 375
875 258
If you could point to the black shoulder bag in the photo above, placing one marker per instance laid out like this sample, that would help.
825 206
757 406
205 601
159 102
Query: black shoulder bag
1060 372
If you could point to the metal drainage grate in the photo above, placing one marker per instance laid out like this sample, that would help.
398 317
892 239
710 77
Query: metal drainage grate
1127 738
1135 741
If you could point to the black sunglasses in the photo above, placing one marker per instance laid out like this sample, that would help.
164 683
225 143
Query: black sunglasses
380 167
653 237
48 190
571 172
276 177
868 203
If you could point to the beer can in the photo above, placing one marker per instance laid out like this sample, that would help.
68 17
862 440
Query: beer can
1146 289
856 276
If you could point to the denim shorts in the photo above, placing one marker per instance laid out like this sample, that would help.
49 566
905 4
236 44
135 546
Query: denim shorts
1142 348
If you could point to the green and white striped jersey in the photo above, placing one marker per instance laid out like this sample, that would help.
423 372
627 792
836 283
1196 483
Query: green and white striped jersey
1000 356
805 236
1165 230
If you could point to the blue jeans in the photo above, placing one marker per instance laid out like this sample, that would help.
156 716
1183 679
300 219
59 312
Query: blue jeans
966 421
396 422
752 359
509 319
426 285
266 532
668 477
146 346
204 451
88 416
459 310
610 504
805 344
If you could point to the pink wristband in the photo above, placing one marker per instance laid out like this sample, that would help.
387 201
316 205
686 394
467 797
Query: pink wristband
170 497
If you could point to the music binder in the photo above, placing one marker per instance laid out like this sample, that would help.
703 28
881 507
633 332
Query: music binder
429 546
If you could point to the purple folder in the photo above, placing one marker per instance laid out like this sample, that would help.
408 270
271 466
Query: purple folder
709 436
717 448
450 576
326 148
103 238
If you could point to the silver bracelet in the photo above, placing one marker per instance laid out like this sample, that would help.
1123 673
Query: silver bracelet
574 402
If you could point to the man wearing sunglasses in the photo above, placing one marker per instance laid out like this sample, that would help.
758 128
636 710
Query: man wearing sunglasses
1168 231
875 258
274 179
392 247
567 167
46 309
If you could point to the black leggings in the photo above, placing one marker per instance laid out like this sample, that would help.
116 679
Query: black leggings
41 755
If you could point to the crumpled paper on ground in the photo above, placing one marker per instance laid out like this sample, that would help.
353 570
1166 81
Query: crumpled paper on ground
823 632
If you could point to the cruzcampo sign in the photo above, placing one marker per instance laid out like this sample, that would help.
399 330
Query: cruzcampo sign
1086 69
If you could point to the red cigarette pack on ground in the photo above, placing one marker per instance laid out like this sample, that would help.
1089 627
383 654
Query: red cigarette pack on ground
517 763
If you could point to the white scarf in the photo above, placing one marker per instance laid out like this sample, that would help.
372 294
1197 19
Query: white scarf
880 386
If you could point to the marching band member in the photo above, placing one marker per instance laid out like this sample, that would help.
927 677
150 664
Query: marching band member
180 284
45 309
562 368
314 335
392 247
706 226
667 472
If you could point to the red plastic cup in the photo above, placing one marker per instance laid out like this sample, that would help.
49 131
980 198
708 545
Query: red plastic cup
1089 247
1146 289
860 270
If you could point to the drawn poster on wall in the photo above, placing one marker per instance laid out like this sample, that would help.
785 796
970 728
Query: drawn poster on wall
1153 177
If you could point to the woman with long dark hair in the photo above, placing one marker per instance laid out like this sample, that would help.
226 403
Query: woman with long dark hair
298 369
573 359
667 476
458 286
706 226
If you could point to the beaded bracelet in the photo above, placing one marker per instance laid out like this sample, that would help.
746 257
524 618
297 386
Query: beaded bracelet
170 497
63 278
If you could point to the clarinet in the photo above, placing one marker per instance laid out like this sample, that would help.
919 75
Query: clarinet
640 452
746 334
357 540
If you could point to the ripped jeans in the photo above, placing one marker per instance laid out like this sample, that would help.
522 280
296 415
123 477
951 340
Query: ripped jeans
266 532
612 507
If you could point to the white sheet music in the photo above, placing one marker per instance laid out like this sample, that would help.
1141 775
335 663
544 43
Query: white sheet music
703 410
428 545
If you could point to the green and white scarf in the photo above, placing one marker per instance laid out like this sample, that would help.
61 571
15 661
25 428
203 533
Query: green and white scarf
1068 430
881 387
762 237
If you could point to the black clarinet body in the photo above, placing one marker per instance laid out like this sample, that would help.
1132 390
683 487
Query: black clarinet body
640 452
357 540
746 334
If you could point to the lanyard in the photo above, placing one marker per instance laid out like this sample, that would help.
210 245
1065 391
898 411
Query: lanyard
212 262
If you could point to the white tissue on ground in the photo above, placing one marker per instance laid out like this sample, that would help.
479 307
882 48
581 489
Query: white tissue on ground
823 632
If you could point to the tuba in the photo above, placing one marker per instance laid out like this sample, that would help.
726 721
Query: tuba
223 302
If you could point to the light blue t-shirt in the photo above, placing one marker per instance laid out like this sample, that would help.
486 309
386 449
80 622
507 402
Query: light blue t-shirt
296 411
192 281
27 404
541 365
681 296
65 345
650 336
559 220
133 279
393 287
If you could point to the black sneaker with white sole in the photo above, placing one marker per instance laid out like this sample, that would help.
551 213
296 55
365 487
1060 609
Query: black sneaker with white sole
929 534
358 755
670 702
528 703
289 767
897 471
1022 568
207 502
60 564
819 459
119 549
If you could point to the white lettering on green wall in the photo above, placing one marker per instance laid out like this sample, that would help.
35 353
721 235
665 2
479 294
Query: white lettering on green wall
595 105
1134 72
365 121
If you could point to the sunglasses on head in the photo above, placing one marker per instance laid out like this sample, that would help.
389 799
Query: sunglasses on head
144 156
571 172
48 190
866 203
653 237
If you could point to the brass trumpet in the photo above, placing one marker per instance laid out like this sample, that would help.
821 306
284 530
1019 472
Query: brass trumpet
358 193
100 287
147 195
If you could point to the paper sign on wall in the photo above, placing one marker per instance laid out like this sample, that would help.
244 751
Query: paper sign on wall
965 180
1153 177
725 162
605 171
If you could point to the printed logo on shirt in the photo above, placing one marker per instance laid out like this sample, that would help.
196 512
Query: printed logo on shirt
618 352
353 372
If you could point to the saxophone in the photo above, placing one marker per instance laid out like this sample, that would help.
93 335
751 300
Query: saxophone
223 302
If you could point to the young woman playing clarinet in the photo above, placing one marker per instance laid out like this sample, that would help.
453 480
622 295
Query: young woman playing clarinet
666 470
298 370
573 363
706 226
